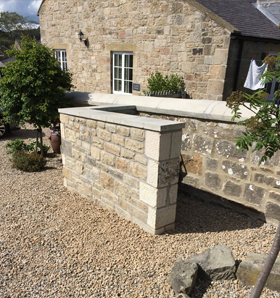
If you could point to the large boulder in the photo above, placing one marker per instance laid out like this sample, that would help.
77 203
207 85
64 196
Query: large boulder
215 263
183 276
249 270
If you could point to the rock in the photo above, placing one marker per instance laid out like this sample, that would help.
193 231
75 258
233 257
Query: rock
249 270
181 295
215 263
183 276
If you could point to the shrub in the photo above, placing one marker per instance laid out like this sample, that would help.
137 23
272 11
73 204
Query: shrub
15 146
28 162
18 144
170 83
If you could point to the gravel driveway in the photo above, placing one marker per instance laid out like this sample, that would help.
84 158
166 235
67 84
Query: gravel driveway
54 243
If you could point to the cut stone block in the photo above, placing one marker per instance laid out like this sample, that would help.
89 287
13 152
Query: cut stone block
183 276
249 270
215 263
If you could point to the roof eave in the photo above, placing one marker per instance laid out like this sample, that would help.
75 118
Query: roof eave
214 16
40 7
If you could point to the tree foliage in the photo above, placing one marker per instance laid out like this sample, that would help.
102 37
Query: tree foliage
12 27
33 86
262 130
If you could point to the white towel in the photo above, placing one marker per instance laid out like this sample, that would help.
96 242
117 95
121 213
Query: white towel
253 80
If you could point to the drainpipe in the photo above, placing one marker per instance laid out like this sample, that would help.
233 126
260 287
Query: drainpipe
239 56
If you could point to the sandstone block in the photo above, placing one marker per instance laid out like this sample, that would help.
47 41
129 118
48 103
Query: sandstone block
134 146
66 148
152 196
137 134
79 167
112 148
97 142
275 196
117 139
107 181
176 140
91 124
138 213
67 173
173 194
138 203
127 154
162 217
131 181
153 171
122 190
138 171
95 152
215 87
122 164
141 159
116 173
108 158
63 118
124 131
249 270
183 276
103 134
158 146
110 127
221 56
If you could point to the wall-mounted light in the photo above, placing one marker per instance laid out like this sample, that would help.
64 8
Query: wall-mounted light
81 37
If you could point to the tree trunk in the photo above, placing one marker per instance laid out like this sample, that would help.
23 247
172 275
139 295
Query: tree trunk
260 283
39 130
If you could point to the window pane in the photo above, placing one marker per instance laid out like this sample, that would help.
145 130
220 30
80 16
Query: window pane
128 74
128 61
118 60
127 87
118 85
118 73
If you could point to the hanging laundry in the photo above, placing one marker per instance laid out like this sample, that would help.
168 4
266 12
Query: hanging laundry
253 80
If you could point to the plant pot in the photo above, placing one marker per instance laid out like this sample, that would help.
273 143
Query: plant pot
55 139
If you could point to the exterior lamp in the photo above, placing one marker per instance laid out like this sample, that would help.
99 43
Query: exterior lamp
81 37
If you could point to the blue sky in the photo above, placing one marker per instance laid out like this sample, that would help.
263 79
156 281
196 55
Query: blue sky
26 8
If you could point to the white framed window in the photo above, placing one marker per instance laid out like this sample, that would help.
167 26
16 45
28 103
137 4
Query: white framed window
61 57
122 72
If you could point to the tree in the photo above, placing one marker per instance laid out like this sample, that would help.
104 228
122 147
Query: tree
262 132
33 86
13 26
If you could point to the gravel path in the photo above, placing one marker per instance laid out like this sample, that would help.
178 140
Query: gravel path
54 243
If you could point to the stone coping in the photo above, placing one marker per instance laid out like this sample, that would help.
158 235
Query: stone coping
200 109
110 114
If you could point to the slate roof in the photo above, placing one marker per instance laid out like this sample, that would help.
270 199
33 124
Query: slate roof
244 16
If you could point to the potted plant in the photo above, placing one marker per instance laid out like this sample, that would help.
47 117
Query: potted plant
165 86
55 136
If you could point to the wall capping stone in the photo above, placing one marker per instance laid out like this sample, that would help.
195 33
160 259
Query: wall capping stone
191 108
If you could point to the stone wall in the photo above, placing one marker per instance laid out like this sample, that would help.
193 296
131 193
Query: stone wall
128 169
172 37
215 165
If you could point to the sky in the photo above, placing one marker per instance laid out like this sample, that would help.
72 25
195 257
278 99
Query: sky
26 8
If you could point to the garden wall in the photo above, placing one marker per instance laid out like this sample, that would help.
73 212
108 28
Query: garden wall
125 163
214 165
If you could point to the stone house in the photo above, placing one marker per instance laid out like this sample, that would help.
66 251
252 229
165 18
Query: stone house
209 42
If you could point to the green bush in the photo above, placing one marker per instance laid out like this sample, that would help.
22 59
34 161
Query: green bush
28 162
169 83
15 146
18 144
